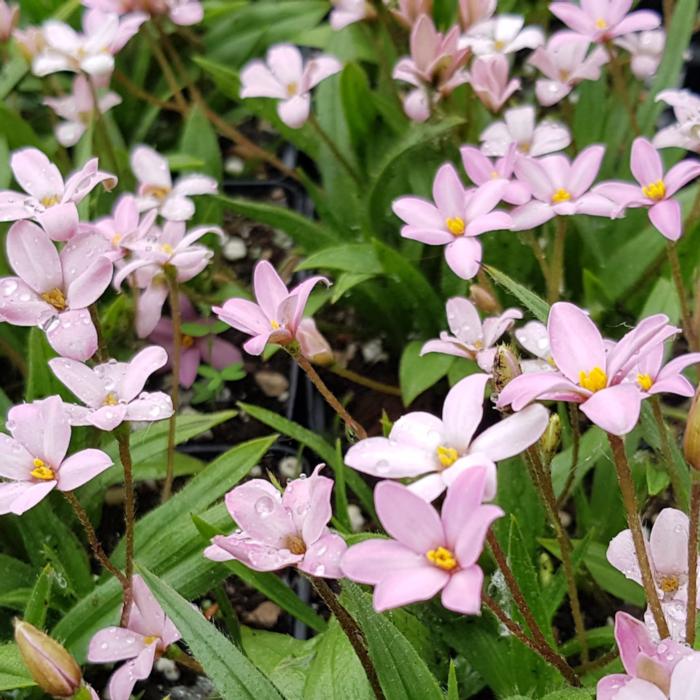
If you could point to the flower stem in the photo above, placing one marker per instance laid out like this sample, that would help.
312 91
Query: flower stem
101 352
528 237
546 490
122 435
175 314
352 631
142 94
629 500
575 448
556 272
686 317
620 87
667 453
100 126
547 654
335 150
365 381
168 73
693 560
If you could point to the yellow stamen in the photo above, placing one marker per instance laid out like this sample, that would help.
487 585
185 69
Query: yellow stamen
600 23
111 399
447 456
645 381
495 175
150 639
669 584
187 341
295 544
41 471
167 248
442 558
156 191
455 226
50 201
275 325
595 380
116 239
292 89
56 298
499 44
561 195
655 190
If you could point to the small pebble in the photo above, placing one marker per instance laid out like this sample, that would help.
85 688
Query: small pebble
289 467
357 520
273 384
265 615
234 249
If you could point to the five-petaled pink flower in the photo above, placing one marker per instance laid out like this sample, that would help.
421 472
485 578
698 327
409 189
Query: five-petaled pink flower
472 338
565 62
54 291
147 635
502 35
668 556
429 552
280 530
455 219
157 191
33 461
489 80
124 225
653 377
284 76
48 200
481 169
589 372
276 316
113 391
656 189
422 444
603 20
181 12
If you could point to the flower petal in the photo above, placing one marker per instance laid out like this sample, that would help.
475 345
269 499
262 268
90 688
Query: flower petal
403 588
462 593
139 369
323 557
371 560
463 410
79 468
73 335
34 257
615 409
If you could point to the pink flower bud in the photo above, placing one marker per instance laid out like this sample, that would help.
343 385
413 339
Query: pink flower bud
9 16
691 439
314 346
506 367
483 300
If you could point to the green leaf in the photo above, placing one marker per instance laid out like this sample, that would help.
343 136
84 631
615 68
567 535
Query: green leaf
41 381
416 373
15 574
17 129
402 673
13 672
663 299
233 675
199 140
536 305
452 685
358 107
38 603
360 258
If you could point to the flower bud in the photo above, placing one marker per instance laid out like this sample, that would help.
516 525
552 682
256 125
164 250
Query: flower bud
483 300
691 439
549 442
53 669
506 367
314 346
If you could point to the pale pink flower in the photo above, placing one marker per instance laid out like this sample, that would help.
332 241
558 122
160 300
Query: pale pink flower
472 12
157 191
455 219
113 391
648 664
685 679
489 80
606 20
284 76
9 16
77 110
589 371
668 556
646 50
313 345
33 461
124 225
181 12
529 138
685 133
471 338
429 552
46 198
277 314
655 189
54 291
560 188
30 41
409 11
502 35
534 338
210 349
653 377
280 530
439 450
147 635
481 170
92 51
346 12
565 62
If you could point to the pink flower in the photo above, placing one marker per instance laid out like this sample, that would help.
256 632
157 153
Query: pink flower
653 378
649 664
685 133
53 291
285 77
92 51
564 64
455 219
9 16
646 50
211 349
471 338
420 443
428 552
409 11
48 199
346 12
560 188
472 12
181 12
603 21
588 372
33 460
534 338
77 110
30 41
125 225
113 391
519 128
668 556
147 635
502 35
655 190
481 170
489 80
313 345
156 189
276 316
280 530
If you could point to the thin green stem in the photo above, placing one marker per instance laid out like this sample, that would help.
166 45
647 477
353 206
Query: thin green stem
101 128
335 150
620 86
123 435
686 316
556 271
575 449
168 73
360 379
176 316
667 453
693 560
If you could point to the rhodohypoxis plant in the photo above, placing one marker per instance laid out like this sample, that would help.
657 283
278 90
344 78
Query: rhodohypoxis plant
481 169
646 51
503 34
489 80
685 133
347 12
182 12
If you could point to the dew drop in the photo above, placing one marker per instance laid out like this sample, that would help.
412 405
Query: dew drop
264 506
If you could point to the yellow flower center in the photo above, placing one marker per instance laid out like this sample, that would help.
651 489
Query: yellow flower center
669 584
600 23
111 399
561 195
156 191
150 639
447 456
495 175
455 226
645 381
41 471
56 298
275 326
655 190
50 201
167 248
595 380
442 558
116 239
499 44
292 89
187 341
295 544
